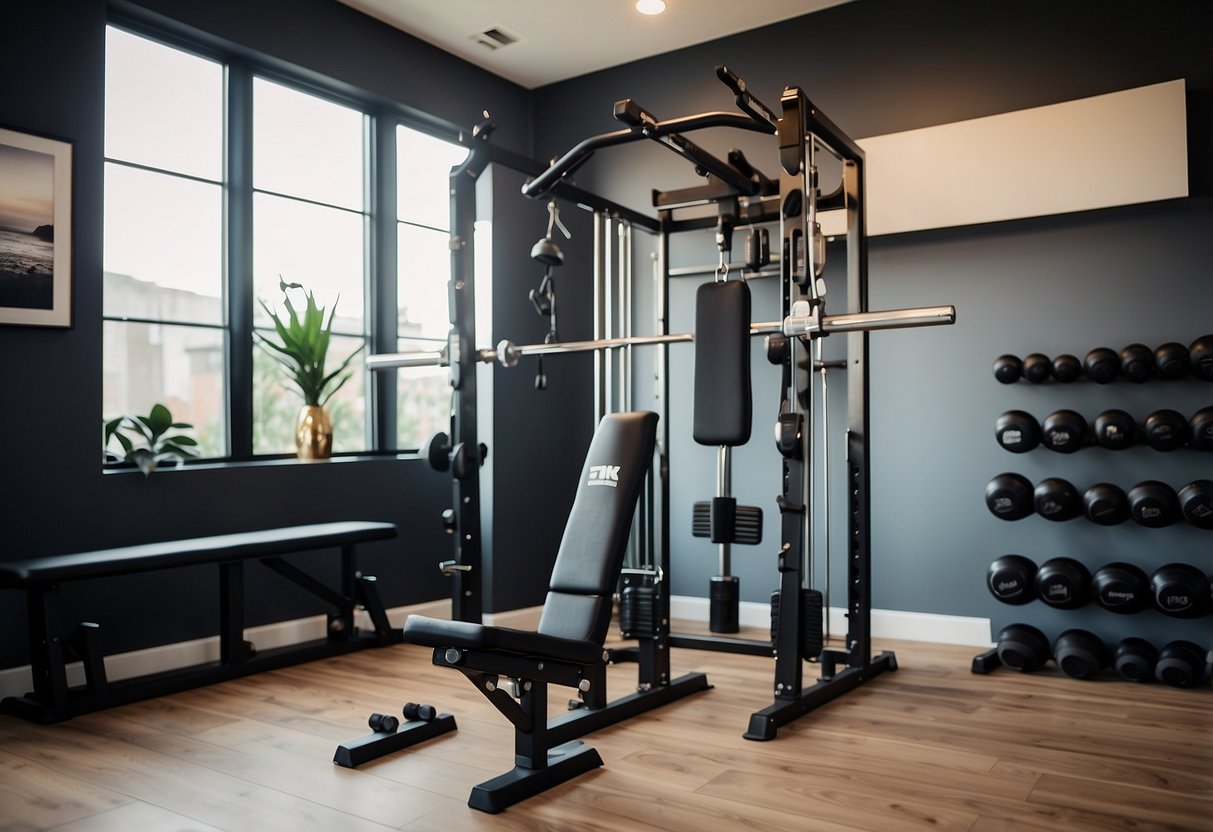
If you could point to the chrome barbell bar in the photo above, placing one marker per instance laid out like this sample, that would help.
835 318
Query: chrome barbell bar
508 354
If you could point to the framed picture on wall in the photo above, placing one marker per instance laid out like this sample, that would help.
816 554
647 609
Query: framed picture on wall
35 230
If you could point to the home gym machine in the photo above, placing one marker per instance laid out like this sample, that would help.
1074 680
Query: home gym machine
743 196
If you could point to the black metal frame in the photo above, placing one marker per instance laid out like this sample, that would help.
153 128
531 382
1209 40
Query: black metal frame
800 124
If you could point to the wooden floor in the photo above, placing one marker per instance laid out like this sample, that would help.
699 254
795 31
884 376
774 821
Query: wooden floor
928 747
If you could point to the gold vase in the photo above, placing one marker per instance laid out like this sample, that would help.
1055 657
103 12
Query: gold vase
314 433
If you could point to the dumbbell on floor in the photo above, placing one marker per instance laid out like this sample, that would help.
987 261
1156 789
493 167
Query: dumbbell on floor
1181 664
383 723
1135 660
413 712
1022 647
1080 654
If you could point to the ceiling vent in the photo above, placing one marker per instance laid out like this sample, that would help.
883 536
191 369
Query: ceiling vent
494 38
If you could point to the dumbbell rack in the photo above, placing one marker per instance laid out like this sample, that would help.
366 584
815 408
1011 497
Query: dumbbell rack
1136 364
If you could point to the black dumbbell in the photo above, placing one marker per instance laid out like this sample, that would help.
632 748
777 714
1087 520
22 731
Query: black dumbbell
1008 369
1009 496
1200 429
1137 363
1200 357
1135 660
1171 361
1019 432
413 712
1153 504
1064 431
383 723
1056 499
1037 368
1012 579
1022 647
1166 430
1063 583
1181 664
1101 365
1105 504
1196 503
1180 590
1120 587
1066 368
1115 430
1080 654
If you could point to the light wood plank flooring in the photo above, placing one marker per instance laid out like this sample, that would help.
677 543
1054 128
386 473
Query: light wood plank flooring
928 747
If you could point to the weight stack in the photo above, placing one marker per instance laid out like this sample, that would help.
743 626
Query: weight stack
638 612
724 597
812 642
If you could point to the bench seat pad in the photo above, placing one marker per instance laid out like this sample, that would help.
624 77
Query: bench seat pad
172 553
439 632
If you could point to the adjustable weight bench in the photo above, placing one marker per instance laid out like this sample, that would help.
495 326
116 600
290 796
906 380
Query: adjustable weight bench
567 649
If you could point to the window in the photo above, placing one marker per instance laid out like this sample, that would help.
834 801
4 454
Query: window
164 331
222 180
423 267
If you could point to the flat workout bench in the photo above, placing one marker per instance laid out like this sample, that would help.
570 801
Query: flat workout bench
51 647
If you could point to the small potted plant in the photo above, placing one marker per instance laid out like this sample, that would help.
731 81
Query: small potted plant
150 442
301 348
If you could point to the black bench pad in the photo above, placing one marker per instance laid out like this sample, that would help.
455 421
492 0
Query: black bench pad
438 632
152 556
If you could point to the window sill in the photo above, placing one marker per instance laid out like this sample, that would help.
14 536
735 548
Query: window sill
117 469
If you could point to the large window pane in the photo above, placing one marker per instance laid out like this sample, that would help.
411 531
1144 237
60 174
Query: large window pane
164 234
276 402
163 107
317 247
180 367
305 146
423 271
423 400
423 177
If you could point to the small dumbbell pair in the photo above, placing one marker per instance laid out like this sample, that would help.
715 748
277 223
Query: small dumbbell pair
388 724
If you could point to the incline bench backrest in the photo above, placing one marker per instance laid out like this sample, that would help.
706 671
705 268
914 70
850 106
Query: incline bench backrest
578 604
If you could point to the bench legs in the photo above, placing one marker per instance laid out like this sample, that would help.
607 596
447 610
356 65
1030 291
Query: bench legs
537 767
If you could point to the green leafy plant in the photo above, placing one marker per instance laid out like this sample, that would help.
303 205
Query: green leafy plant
303 344
149 442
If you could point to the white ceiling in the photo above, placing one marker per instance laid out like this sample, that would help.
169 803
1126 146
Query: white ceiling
559 39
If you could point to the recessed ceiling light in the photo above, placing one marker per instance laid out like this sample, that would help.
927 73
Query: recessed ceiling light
650 6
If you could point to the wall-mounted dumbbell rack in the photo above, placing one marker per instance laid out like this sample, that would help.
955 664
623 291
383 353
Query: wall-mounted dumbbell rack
1176 589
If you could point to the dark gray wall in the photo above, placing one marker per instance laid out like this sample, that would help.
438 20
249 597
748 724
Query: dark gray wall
53 495
1057 284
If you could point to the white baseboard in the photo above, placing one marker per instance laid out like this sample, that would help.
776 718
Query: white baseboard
898 624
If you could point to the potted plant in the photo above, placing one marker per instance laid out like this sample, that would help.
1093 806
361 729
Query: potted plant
301 348
149 443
